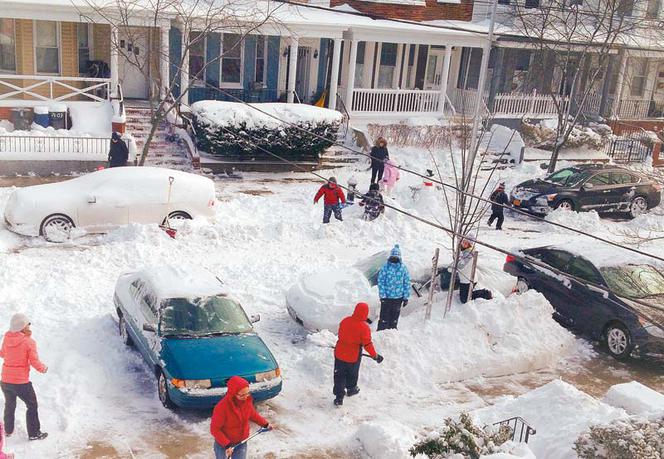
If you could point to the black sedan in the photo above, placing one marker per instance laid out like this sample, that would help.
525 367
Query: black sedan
589 187
621 306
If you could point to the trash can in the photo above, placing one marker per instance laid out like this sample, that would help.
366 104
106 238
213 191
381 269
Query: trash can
57 116
41 116
21 118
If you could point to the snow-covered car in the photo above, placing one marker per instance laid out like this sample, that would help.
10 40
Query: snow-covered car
193 336
320 300
104 199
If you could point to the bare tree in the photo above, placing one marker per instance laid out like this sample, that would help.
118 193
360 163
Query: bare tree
140 21
572 42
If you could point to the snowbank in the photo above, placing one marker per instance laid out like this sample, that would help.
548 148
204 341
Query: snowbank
237 114
557 411
636 399
386 439
502 139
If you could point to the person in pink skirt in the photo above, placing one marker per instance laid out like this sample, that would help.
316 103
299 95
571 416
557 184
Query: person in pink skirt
390 176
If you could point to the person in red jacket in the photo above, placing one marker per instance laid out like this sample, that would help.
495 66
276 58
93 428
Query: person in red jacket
19 353
354 334
333 201
230 420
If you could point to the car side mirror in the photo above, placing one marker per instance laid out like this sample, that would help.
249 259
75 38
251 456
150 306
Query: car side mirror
149 328
92 199
255 318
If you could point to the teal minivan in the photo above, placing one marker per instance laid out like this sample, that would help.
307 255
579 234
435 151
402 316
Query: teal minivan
193 336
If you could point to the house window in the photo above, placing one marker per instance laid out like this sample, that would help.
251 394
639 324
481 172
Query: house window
388 62
196 56
639 77
261 60
626 7
359 64
84 38
231 60
652 11
7 45
532 4
47 47
503 2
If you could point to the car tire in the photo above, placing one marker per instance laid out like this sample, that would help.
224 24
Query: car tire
522 286
56 228
177 215
122 329
565 204
162 391
638 206
618 341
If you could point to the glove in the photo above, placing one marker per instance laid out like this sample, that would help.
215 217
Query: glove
404 304
378 358
268 426
369 321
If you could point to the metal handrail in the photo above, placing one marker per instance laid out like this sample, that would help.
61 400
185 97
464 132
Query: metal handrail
449 101
297 97
524 432
346 114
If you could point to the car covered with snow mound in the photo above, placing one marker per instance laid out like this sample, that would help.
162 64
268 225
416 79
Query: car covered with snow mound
102 200
193 336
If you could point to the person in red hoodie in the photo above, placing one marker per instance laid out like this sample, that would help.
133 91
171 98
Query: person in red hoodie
354 334
19 352
333 201
230 420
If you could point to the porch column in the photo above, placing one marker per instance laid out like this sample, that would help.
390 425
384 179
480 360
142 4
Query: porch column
114 61
495 85
444 77
604 101
403 82
351 75
615 109
334 76
184 71
292 69
164 63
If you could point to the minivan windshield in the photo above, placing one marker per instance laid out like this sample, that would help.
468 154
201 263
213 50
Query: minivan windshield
570 176
212 315
370 267
634 281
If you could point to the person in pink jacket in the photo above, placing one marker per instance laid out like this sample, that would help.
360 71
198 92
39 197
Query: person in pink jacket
19 352
390 176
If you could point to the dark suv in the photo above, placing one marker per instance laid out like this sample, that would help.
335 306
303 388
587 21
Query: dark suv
587 187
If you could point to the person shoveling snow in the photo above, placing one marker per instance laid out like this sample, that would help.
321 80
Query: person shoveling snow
466 272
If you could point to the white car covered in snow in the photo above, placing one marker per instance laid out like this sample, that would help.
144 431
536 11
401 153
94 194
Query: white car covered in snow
102 200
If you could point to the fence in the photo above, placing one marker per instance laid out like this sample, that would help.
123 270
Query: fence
53 88
395 100
633 147
53 144
521 431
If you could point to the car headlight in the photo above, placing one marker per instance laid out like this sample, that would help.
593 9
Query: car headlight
268 375
191 383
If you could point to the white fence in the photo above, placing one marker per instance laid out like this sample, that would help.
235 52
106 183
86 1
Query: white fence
55 144
532 104
394 101
53 88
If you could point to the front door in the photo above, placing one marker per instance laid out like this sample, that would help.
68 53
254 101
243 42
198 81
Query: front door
133 66
434 70
303 72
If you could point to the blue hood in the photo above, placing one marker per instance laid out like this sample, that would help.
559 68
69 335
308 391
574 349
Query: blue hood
216 357
396 251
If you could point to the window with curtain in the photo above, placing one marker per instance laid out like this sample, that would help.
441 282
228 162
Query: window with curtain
196 56
388 63
7 45
84 38
261 59
47 47
359 64
639 76
231 60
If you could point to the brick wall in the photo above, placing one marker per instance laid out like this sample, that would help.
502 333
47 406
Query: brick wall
101 42
431 12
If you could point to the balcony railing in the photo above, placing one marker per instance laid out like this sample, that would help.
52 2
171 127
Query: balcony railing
97 146
53 88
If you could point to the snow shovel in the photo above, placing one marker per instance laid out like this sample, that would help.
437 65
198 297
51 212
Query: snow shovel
258 432
167 224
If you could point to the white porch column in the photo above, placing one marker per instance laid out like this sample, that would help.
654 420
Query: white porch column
403 82
615 108
184 71
334 75
444 77
292 69
351 75
164 63
114 61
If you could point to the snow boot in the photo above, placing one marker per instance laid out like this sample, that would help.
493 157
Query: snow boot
39 436
338 401
354 391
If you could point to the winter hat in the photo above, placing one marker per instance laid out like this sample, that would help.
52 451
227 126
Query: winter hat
116 136
374 187
332 179
18 322
352 181
396 251
501 186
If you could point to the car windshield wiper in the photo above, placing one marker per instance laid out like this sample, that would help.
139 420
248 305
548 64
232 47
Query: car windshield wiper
180 335
219 333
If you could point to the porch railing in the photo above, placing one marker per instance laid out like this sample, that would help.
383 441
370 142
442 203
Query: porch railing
53 88
395 100
532 103
633 108
53 144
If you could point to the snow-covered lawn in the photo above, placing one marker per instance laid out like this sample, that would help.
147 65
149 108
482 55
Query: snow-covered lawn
267 235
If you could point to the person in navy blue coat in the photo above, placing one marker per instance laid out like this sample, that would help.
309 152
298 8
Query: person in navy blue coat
393 289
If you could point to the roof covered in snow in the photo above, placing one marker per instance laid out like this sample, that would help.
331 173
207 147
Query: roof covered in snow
182 281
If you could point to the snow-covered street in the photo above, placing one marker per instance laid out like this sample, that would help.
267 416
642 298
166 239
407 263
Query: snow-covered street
99 399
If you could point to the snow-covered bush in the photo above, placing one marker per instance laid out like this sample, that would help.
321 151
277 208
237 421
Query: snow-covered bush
542 134
293 131
463 437
632 437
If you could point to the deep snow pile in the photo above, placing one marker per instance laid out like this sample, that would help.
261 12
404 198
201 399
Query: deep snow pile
636 399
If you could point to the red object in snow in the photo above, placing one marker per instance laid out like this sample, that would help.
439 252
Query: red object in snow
510 259
428 183
100 168
354 332
333 194
170 231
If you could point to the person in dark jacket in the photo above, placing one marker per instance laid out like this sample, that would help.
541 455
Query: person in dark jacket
498 198
373 203
393 289
119 153
354 335
333 199
378 156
